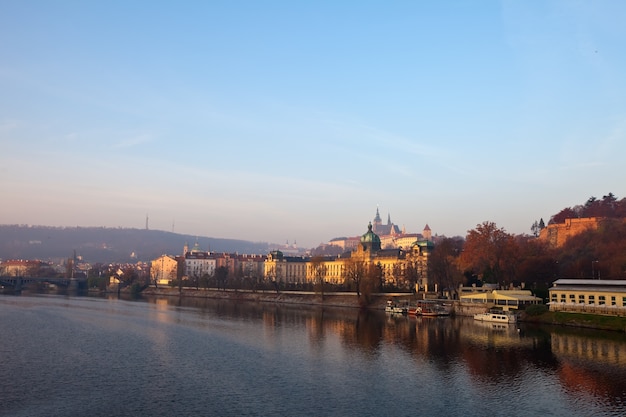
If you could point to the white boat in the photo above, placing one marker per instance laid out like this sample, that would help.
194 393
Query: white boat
428 308
394 308
496 317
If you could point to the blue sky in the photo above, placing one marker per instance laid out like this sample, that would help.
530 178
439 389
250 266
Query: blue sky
282 120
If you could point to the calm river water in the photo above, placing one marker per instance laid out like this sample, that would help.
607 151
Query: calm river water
82 356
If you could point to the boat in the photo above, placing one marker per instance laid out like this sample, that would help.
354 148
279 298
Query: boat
496 317
429 309
394 308
436 311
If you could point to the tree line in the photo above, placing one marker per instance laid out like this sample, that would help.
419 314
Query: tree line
489 254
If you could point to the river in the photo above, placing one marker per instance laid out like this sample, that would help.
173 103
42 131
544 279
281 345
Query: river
87 356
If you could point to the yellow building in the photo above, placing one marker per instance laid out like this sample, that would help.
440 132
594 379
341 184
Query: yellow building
599 296
164 270
506 299
397 267
285 269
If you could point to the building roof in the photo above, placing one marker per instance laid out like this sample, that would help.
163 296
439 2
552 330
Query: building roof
520 295
590 282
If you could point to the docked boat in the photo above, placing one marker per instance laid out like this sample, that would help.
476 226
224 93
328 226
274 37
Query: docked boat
394 308
429 309
496 317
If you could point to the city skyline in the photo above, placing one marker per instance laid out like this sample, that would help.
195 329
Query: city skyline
294 122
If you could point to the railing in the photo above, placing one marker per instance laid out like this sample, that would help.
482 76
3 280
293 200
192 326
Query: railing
604 309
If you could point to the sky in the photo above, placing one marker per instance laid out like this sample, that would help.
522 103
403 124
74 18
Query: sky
282 121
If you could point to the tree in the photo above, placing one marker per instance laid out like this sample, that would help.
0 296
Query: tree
221 275
354 273
560 217
318 272
489 251
443 264
535 228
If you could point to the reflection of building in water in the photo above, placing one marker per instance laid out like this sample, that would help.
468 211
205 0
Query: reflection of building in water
606 351
498 335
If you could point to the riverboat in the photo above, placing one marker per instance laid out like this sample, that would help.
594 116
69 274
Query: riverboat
429 309
394 308
496 317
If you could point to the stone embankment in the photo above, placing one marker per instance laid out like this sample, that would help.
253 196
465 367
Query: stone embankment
335 299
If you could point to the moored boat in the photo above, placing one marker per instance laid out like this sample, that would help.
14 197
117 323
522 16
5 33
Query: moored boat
394 308
428 308
496 317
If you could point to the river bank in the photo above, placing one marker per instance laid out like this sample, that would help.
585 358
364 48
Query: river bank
335 299
378 302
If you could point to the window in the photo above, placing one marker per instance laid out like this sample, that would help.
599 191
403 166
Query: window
592 299
602 300
581 299
572 298
623 301
613 300
562 298
554 298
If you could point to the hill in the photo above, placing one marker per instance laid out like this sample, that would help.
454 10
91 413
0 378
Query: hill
108 245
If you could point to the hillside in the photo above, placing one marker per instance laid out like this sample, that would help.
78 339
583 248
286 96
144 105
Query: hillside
99 244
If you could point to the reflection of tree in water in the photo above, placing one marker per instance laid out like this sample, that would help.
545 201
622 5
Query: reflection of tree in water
365 332
490 355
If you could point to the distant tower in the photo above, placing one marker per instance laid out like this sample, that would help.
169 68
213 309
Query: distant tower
377 221
427 233
388 219
146 221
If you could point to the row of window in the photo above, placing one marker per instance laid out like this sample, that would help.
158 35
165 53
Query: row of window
588 299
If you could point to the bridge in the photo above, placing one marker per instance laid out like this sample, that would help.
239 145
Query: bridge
17 283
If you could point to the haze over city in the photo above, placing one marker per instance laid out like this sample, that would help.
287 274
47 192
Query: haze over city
275 121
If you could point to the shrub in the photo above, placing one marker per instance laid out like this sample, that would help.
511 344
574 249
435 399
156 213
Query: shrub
536 309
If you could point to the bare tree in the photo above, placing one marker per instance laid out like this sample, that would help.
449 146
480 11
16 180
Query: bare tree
318 272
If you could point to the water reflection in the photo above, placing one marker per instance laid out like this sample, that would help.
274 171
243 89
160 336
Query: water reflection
357 362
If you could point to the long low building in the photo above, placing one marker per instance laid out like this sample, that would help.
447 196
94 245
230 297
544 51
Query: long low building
600 296
506 299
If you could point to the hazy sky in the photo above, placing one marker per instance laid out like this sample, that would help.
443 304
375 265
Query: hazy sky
290 120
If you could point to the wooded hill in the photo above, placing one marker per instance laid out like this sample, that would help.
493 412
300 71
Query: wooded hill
108 245
489 254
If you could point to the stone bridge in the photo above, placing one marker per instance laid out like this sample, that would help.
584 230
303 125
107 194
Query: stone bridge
17 283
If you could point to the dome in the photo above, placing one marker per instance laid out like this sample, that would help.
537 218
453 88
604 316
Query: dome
370 240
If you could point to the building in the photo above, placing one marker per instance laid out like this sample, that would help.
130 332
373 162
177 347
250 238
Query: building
164 270
505 299
285 269
397 266
21 268
250 267
597 296
556 234
198 263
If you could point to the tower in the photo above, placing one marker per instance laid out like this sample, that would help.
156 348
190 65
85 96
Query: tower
377 222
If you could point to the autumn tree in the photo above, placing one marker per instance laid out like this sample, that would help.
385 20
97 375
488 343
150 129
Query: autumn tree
443 268
538 265
489 251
